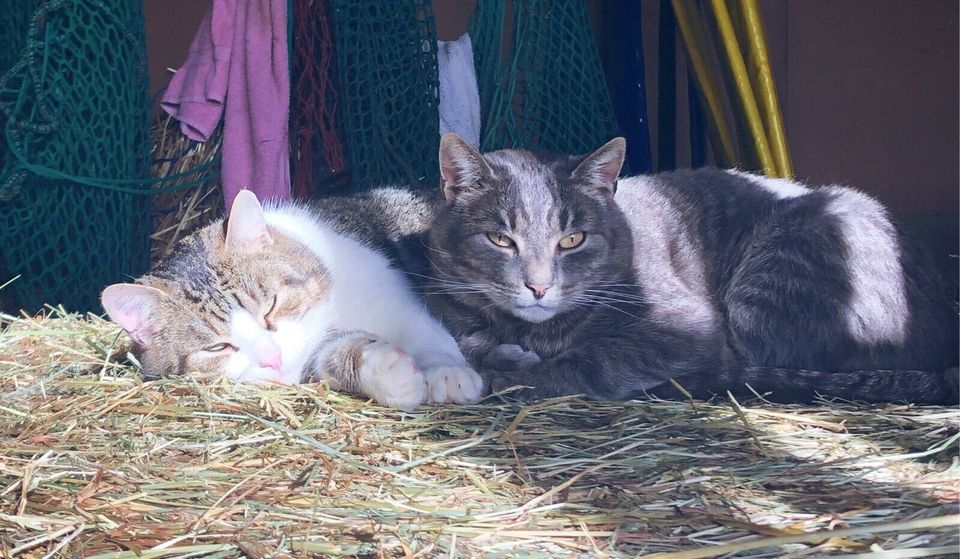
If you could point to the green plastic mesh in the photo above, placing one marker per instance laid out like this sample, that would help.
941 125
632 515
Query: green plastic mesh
549 93
76 156
387 79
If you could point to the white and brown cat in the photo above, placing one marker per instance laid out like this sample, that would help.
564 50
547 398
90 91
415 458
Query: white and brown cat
280 295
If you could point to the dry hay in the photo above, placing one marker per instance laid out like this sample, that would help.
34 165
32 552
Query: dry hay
181 161
95 462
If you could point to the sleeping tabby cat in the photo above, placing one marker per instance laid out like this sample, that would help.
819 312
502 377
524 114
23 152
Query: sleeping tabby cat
282 296
564 279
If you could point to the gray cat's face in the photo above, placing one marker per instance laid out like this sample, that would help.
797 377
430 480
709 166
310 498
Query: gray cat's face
523 232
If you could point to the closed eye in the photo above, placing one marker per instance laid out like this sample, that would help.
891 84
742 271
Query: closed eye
268 317
217 348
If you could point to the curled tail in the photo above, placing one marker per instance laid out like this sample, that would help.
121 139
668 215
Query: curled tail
804 385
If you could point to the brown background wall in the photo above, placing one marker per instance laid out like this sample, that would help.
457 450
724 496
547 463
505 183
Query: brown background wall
170 25
868 88
870 95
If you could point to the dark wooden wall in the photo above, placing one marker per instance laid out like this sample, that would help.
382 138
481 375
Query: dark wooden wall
870 95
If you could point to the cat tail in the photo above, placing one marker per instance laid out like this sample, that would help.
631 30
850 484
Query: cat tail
804 385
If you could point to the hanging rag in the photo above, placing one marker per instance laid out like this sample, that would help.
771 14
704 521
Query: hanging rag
459 99
237 68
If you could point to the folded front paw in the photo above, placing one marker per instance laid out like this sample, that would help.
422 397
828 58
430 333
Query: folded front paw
511 357
390 376
453 383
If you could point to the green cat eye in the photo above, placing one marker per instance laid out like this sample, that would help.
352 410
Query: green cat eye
501 240
217 348
572 241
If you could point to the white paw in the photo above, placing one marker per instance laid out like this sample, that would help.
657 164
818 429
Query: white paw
520 358
453 383
391 377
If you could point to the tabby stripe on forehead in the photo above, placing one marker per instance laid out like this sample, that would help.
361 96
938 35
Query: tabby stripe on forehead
193 295
218 304
565 218
222 306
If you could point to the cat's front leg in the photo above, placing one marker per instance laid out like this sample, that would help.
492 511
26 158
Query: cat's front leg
511 357
360 363
610 370
625 362
450 379
483 349
547 380
517 384
404 322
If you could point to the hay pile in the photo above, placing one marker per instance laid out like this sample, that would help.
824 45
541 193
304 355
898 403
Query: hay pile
96 463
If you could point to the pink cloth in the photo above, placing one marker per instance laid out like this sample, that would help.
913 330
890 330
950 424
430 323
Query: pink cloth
237 67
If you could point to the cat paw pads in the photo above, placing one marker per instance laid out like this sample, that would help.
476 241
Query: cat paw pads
391 377
457 384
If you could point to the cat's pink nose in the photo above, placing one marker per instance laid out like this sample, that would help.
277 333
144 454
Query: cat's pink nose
269 359
538 289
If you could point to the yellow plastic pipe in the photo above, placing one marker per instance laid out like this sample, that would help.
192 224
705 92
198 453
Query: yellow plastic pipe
695 41
741 81
764 87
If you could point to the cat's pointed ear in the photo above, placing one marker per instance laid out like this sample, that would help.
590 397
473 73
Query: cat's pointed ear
601 168
461 167
247 226
130 305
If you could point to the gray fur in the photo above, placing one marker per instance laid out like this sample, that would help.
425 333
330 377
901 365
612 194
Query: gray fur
878 311
715 279
673 269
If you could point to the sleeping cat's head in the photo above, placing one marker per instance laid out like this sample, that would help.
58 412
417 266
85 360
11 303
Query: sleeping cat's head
245 302
528 233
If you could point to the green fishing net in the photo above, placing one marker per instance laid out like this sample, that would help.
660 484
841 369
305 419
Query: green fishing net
549 91
13 30
75 155
386 52
546 91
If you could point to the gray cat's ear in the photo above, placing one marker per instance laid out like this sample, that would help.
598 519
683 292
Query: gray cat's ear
601 168
461 166
130 305
247 226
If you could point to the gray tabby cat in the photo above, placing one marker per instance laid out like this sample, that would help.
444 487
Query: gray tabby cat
564 279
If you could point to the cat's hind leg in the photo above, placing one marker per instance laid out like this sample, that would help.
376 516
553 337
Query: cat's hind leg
785 297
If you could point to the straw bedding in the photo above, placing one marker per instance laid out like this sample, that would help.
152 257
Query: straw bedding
191 170
94 462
